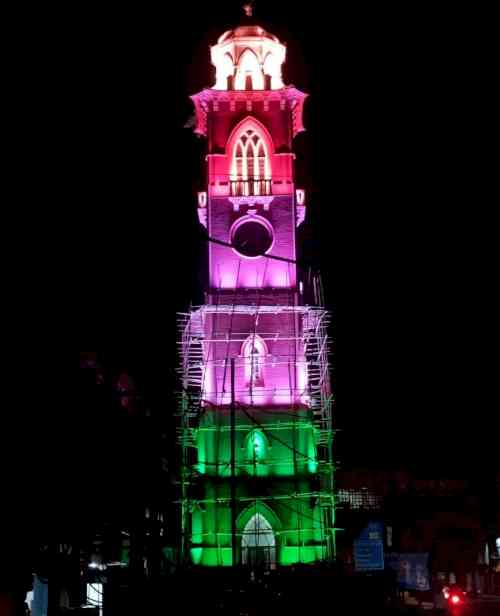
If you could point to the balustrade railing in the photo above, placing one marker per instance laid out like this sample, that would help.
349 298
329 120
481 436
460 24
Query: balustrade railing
250 187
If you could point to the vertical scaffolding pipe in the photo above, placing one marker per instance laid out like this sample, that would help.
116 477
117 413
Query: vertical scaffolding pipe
185 538
233 466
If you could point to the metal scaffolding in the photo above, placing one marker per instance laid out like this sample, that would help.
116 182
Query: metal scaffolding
308 349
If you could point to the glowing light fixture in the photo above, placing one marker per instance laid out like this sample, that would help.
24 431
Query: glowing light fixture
202 199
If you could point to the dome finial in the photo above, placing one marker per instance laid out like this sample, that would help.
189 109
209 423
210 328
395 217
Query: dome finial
248 8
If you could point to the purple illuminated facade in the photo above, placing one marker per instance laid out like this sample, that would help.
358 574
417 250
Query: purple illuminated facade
261 488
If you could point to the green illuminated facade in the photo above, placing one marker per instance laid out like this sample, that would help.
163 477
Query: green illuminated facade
256 407
276 476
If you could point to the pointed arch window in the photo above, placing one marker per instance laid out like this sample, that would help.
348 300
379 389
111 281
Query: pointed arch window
249 74
272 70
256 446
251 169
258 543
254 352
225 72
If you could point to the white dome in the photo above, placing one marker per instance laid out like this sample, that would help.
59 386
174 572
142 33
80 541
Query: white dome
248 54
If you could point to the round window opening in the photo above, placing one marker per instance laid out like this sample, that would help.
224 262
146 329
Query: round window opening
252 238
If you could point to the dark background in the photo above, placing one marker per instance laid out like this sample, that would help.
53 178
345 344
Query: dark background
398 164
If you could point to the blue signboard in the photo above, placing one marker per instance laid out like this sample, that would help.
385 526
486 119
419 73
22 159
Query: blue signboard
369 548
39 605
411 569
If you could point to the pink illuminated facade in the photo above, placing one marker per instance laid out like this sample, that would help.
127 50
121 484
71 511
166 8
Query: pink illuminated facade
256 323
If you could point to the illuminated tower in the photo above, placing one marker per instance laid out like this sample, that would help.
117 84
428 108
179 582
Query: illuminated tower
256 433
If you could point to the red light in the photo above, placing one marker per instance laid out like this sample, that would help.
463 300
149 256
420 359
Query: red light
455 599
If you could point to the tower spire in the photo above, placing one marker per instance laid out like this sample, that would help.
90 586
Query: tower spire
248 8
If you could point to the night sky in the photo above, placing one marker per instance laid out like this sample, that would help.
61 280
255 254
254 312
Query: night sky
400 222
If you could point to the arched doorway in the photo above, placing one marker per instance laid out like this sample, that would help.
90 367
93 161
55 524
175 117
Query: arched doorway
258 544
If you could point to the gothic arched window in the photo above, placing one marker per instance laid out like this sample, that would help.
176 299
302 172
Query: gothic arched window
250 166
225 71
249 75
256 446
258 543
272 69
254 352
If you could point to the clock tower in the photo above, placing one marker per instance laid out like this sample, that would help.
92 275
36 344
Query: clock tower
256 422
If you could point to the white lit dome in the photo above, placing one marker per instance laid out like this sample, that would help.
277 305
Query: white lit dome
245 31
248 58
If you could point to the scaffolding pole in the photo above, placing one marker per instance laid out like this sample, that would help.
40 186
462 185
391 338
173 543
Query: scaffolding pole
233 466
203 344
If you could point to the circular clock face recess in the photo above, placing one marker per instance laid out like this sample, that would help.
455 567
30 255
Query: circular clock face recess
252 239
